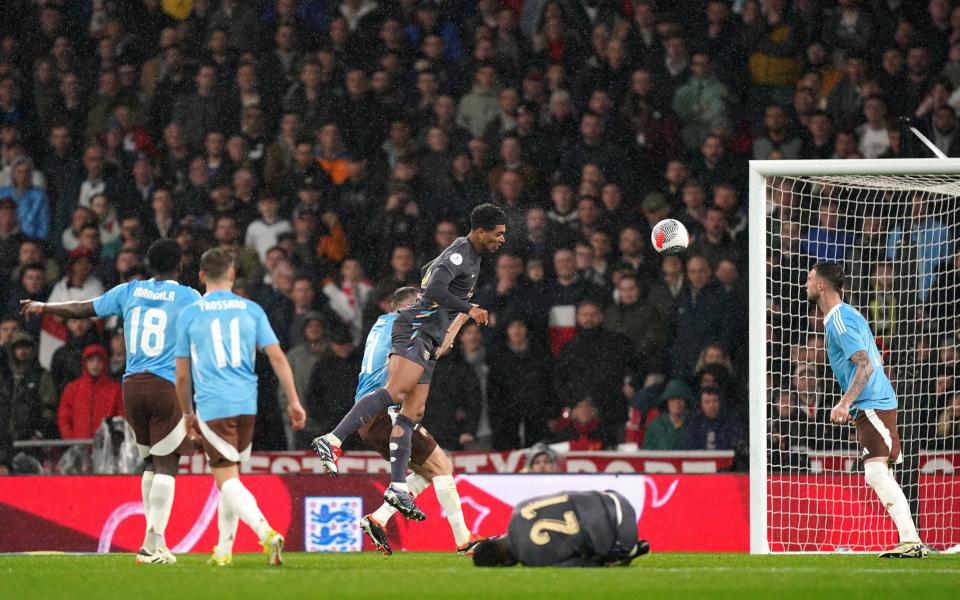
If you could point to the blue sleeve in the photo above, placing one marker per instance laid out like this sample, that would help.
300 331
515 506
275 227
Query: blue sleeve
111 303
182 349
848 336
265 334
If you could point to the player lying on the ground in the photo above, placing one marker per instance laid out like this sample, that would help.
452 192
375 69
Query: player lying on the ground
868 399
429 463
217 343
448 283
150 310
570 529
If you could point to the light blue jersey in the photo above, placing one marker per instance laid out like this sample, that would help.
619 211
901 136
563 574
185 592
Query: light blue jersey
150 311
848 332
220 335
373 369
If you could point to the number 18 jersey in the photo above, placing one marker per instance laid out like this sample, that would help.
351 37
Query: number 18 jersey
220 335
150 311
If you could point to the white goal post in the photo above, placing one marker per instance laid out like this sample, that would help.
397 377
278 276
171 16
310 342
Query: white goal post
807 492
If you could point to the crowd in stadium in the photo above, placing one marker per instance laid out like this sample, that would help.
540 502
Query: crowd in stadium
337 146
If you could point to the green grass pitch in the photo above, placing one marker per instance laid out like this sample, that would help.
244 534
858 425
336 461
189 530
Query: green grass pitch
410 575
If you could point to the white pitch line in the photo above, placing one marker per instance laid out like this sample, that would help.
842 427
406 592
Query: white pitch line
796 570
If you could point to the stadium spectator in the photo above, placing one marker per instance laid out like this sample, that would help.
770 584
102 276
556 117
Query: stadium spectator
701 102
716 244
777 136
921 240
641 322
580 427
790 431
302 358
701 317
89 399
829 240
348 294
9 326
518 388
32 401
563 295
593 365
67 362
713 426
33 207
333 381
541 459
78 285
458 392
948 424
668 431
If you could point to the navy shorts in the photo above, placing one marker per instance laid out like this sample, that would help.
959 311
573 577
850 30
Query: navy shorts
410 342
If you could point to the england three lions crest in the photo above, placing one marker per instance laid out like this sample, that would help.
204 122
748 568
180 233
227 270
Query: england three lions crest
331 524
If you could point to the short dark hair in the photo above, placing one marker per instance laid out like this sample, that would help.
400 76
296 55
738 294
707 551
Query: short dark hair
487 217
831 272
493 553
402 295
216 262
163 257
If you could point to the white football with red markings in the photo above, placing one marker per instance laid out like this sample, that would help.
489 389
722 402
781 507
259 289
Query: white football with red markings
669 237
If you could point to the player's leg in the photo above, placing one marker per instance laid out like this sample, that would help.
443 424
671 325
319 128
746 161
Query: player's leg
152 411
402 377
438 469
376 435
401 441
223 440
877 433
160 500
146 481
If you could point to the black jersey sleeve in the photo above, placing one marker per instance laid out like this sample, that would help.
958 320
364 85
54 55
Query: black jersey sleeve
438 291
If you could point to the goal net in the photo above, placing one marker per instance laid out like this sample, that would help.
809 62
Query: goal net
893 225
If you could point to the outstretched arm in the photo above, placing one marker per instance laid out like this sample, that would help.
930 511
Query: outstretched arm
66 310
281 367
841 412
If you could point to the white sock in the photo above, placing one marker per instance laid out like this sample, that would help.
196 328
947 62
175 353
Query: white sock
334 440
415 483
161 502
227 521
449 498
400 487
891 496
244 505
145 482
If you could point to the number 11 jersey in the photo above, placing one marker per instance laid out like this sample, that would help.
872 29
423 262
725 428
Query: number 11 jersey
150 311
220 334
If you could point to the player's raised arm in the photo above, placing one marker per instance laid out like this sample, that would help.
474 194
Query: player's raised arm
278 360
66 310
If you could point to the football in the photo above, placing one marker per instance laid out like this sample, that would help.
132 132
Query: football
669 237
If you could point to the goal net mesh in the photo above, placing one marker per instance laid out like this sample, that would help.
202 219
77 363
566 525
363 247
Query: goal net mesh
895 236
